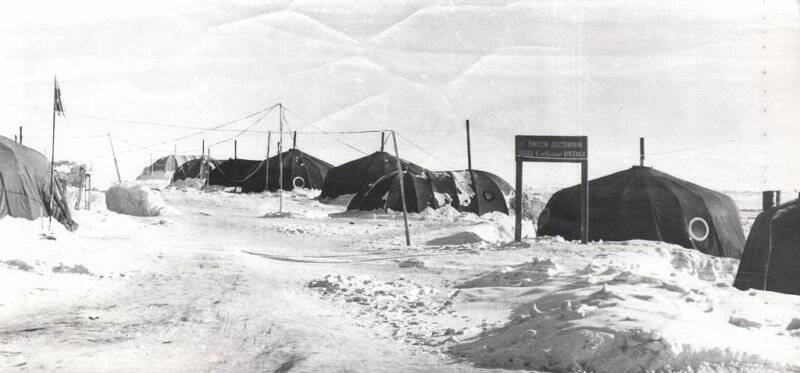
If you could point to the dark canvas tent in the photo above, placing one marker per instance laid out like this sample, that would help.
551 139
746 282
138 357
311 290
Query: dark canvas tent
354 176
165 167
643 203
435 190
481 192
385 194
300 170
771 257
195 168
25 185
232 172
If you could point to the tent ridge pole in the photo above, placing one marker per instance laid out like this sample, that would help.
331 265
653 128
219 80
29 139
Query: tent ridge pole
401 178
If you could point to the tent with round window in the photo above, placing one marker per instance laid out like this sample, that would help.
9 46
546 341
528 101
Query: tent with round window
644 203
165 167
195 169
25 186
354 176
771 256
300 170
474 191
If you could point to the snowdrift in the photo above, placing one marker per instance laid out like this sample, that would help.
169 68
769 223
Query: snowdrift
134 200
631 306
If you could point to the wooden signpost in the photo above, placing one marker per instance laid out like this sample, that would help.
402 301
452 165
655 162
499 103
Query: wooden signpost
572 149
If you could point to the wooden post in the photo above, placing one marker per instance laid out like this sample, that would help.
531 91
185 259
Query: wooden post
383 141
235 148
20 135
768 200
88 191
294 140
401 177
641 151
585 201
116 166
518 204
203 147
280 160
53 154
469 150
266 165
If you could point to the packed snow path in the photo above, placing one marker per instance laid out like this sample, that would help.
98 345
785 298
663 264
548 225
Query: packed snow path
225 284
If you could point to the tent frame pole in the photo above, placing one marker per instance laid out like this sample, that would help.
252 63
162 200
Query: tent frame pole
401 179
53 154
114 155
280 159
266 163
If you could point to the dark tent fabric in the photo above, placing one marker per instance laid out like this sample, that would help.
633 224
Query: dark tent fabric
300 170
437 189
232 172
25 185
385 194
195 168
486 192
352 177
164 167
643 203
771 257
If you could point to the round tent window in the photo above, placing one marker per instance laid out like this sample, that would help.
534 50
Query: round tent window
698 229
298 182
488 195
544 216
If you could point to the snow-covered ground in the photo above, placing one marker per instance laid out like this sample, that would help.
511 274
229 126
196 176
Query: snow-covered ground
224 283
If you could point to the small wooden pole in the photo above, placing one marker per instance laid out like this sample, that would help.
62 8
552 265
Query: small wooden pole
20 135
469 150
266 165
294 140
641 151
401 178
518 203
203 147
280 160
383 141
116 165
235 150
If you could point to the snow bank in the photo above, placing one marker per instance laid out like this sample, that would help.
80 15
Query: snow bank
632 306
135 200
400 305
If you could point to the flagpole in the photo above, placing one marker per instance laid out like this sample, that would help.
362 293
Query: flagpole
53 153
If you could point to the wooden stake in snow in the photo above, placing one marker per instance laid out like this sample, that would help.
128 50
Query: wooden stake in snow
401 178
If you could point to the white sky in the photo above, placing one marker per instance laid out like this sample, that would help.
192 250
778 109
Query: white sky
712 85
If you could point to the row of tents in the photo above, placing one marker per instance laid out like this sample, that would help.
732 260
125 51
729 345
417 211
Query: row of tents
638 203
371 181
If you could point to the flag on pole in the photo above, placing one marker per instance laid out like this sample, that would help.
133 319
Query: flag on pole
58 107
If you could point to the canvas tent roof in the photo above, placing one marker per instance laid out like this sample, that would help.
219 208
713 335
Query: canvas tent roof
165 167
352 177
300 169
232 172
644 203
437 189
771 256
25 185
195 168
